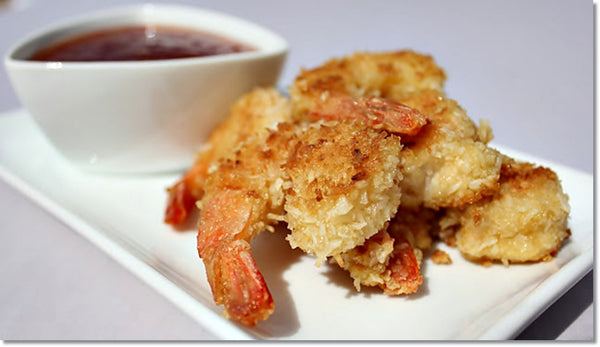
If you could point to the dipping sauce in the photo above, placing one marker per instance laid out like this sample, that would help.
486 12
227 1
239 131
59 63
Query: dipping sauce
141 42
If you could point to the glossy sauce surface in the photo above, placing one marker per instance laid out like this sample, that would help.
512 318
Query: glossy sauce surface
134 43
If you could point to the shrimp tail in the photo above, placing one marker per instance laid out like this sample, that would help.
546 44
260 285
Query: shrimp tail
246 297
189 189
378 113
232 273
405 272
180 203
392 116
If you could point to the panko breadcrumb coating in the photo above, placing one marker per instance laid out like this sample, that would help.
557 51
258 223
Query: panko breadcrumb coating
251 115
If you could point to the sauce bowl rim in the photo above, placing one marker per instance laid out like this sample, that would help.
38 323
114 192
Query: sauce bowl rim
103 19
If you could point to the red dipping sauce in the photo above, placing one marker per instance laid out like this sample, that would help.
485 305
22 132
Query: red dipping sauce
133 43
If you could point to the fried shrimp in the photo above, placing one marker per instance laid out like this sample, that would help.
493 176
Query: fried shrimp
392 258
368 163
261 109
447 163
334 183
390 263
250 116
243 197
345 84
525 220
393 75
378 113
345 188
248 193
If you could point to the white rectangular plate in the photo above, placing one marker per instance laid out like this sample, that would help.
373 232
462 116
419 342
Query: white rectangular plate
123 216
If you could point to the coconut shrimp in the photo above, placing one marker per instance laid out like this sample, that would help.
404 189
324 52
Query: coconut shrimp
345 187
262 109
524 221
248 193
375 111
448 163
250 116
340 179
243 196
394 75
391 263
391 259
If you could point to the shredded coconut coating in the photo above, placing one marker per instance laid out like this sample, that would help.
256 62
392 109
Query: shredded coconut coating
345 187
524 221
448 164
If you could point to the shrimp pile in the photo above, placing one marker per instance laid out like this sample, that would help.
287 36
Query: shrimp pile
367 163
448 163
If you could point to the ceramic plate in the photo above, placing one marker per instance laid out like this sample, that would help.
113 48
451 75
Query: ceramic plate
123 216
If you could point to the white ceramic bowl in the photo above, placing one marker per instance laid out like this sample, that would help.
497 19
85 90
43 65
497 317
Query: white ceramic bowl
144 116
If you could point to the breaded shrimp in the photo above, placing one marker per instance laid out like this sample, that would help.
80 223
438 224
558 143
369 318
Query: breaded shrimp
525 220
391 75
246 194
251 115
260 109
366 164
447 163
345 187
346 168
393 264
391 259
243 196
378 113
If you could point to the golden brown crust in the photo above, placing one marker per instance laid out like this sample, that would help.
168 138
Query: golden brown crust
524 221
251 115
392 75
329 163
390 263
345 186
447 164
